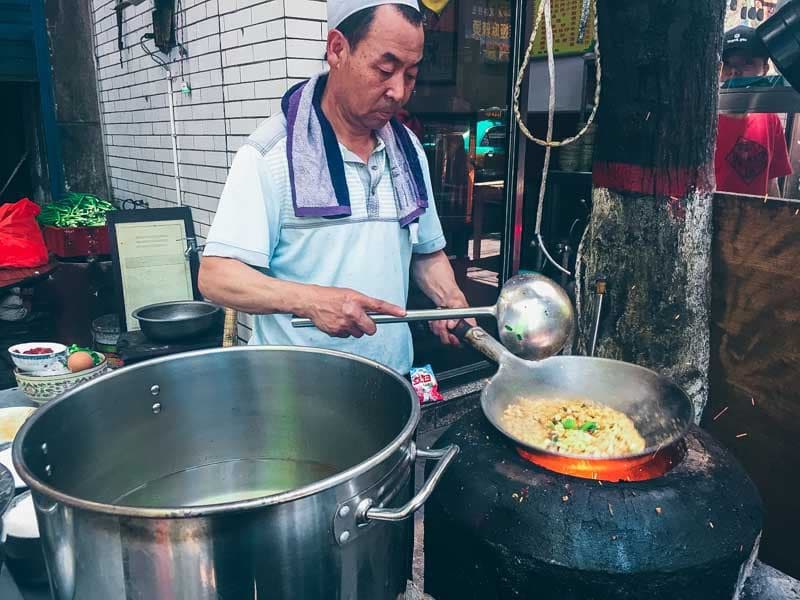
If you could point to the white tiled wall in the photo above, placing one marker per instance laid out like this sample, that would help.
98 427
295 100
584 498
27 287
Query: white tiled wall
242 56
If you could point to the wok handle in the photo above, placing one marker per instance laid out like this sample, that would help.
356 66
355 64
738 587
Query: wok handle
444 456
461 330
479 338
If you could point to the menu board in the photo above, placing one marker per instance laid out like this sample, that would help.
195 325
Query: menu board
566 29
153 265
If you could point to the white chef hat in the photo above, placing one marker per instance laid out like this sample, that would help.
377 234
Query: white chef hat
339 10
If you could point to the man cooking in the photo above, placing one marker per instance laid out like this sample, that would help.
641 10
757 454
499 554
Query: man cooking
328 206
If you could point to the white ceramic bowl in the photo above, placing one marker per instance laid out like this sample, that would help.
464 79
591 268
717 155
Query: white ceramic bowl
39 363
43 388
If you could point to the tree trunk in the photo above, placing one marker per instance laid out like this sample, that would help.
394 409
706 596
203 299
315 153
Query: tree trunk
650 230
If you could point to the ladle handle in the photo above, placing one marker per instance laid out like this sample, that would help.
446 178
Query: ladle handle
479 338
436 314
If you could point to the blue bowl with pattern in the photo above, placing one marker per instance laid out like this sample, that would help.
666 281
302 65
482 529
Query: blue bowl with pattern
43 387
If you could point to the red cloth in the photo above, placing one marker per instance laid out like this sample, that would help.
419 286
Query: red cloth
751 151
21 241
623 177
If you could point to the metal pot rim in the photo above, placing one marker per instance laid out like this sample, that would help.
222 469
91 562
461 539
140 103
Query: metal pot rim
317 487
137 314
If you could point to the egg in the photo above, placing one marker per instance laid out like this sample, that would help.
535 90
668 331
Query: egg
79 361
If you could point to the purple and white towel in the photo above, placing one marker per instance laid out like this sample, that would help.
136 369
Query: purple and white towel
316 167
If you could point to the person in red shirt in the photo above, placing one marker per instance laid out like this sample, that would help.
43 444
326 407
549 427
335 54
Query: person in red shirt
751 147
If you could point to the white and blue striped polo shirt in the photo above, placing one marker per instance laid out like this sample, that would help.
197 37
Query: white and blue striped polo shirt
367 251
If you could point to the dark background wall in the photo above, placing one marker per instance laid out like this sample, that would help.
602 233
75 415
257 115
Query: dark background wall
754 405
71 40
13 96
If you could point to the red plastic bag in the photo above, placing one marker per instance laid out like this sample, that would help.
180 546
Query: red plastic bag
21 241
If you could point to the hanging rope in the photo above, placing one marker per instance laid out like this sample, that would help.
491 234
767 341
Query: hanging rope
544 12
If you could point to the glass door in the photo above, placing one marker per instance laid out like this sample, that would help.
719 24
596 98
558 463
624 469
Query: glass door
460 110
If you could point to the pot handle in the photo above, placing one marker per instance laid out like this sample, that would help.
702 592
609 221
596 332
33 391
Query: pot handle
444 456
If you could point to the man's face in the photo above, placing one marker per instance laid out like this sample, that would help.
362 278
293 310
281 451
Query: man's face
741 64
376 79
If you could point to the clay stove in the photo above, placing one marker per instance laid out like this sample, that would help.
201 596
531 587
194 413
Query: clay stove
680 526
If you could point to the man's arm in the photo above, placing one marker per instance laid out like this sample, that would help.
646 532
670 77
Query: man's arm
337 312
436 279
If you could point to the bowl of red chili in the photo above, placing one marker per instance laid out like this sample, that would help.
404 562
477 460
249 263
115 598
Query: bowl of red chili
39 357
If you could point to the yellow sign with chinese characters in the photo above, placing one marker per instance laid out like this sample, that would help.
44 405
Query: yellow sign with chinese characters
566 29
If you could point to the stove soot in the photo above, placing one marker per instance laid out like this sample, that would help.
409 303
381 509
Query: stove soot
681 526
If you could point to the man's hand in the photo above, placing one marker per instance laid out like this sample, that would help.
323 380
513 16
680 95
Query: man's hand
435 277
343 313
338 312
443 329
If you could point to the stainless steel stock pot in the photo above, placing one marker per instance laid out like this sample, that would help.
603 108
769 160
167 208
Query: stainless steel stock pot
254 472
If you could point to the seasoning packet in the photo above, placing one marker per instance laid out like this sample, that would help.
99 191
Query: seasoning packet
425 384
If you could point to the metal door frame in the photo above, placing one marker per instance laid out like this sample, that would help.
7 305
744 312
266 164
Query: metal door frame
522 27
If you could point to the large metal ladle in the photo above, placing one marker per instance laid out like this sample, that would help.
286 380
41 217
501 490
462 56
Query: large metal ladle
534 316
